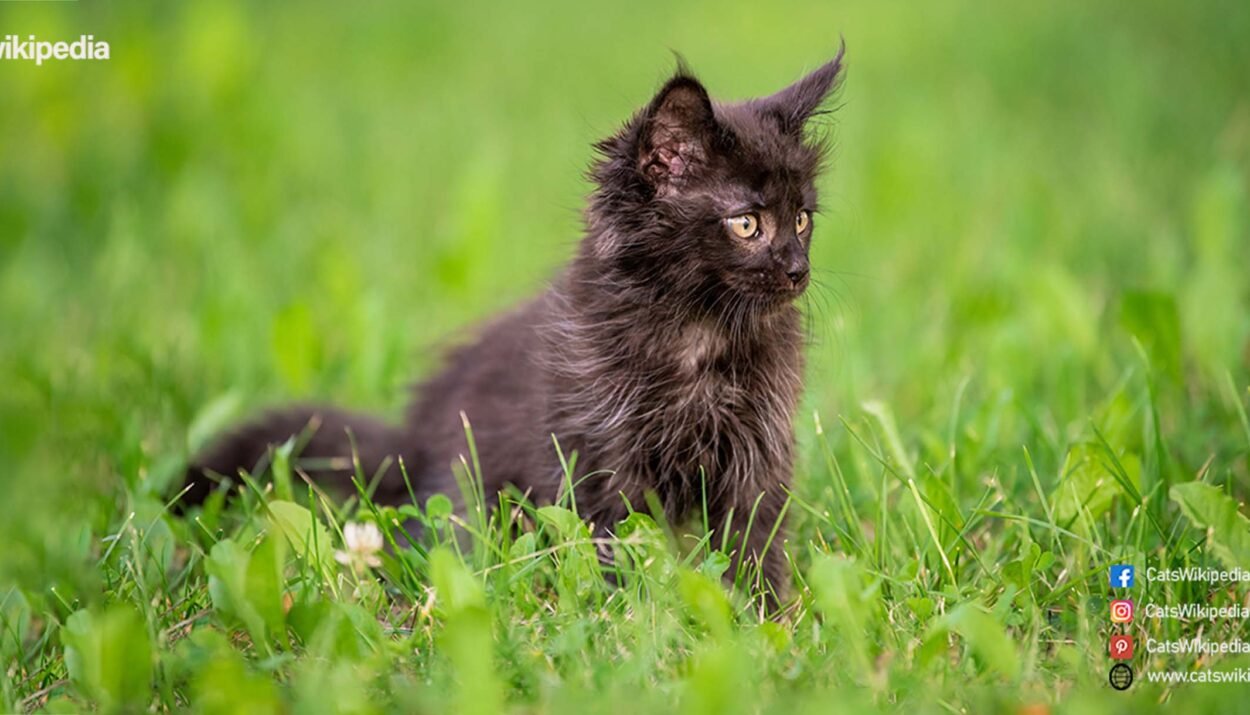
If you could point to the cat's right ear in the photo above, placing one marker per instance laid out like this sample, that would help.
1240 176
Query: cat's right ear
676 134
794 105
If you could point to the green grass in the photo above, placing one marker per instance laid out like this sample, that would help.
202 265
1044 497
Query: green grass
1030 358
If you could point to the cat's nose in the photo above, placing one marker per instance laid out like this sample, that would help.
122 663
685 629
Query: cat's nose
796 274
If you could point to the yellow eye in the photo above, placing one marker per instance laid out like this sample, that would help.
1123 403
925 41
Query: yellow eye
744 226
802 221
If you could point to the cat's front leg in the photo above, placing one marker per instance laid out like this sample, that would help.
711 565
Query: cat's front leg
756 526
603 519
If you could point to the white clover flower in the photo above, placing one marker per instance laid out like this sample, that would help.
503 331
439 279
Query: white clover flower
363 541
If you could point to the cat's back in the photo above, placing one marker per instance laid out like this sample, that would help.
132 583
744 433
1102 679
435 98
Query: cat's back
495 382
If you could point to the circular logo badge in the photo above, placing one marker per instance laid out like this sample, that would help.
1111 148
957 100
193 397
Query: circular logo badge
1121 676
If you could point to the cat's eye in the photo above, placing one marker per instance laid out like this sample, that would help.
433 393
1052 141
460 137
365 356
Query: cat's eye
744 226
802 221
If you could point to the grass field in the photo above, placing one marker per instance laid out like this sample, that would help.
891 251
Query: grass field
1030 353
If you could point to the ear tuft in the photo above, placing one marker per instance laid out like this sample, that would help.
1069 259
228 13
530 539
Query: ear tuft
794 105
676 132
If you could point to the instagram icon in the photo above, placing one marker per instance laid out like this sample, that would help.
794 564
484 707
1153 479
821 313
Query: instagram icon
1121 611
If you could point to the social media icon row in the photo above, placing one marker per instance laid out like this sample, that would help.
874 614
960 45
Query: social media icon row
1120 646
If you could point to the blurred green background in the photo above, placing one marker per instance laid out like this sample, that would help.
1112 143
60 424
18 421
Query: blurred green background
254 202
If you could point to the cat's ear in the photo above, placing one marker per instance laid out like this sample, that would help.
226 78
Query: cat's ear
676 133
794 105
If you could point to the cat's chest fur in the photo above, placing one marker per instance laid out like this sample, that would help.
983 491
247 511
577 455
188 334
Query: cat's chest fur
721 407
702 390
684 409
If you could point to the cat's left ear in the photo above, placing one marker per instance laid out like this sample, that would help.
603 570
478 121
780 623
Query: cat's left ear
794 105
677 131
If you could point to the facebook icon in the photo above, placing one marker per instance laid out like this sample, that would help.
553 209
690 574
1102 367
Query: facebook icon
1122 576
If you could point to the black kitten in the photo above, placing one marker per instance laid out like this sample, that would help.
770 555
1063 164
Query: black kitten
668 355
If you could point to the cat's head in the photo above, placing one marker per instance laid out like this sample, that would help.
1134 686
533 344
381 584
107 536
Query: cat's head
712 200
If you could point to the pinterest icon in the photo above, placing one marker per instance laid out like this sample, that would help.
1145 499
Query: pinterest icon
1121 647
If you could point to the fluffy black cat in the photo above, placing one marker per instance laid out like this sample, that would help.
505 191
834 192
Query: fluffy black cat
667 355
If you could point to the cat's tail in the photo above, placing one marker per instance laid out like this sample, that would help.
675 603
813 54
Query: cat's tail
326 438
